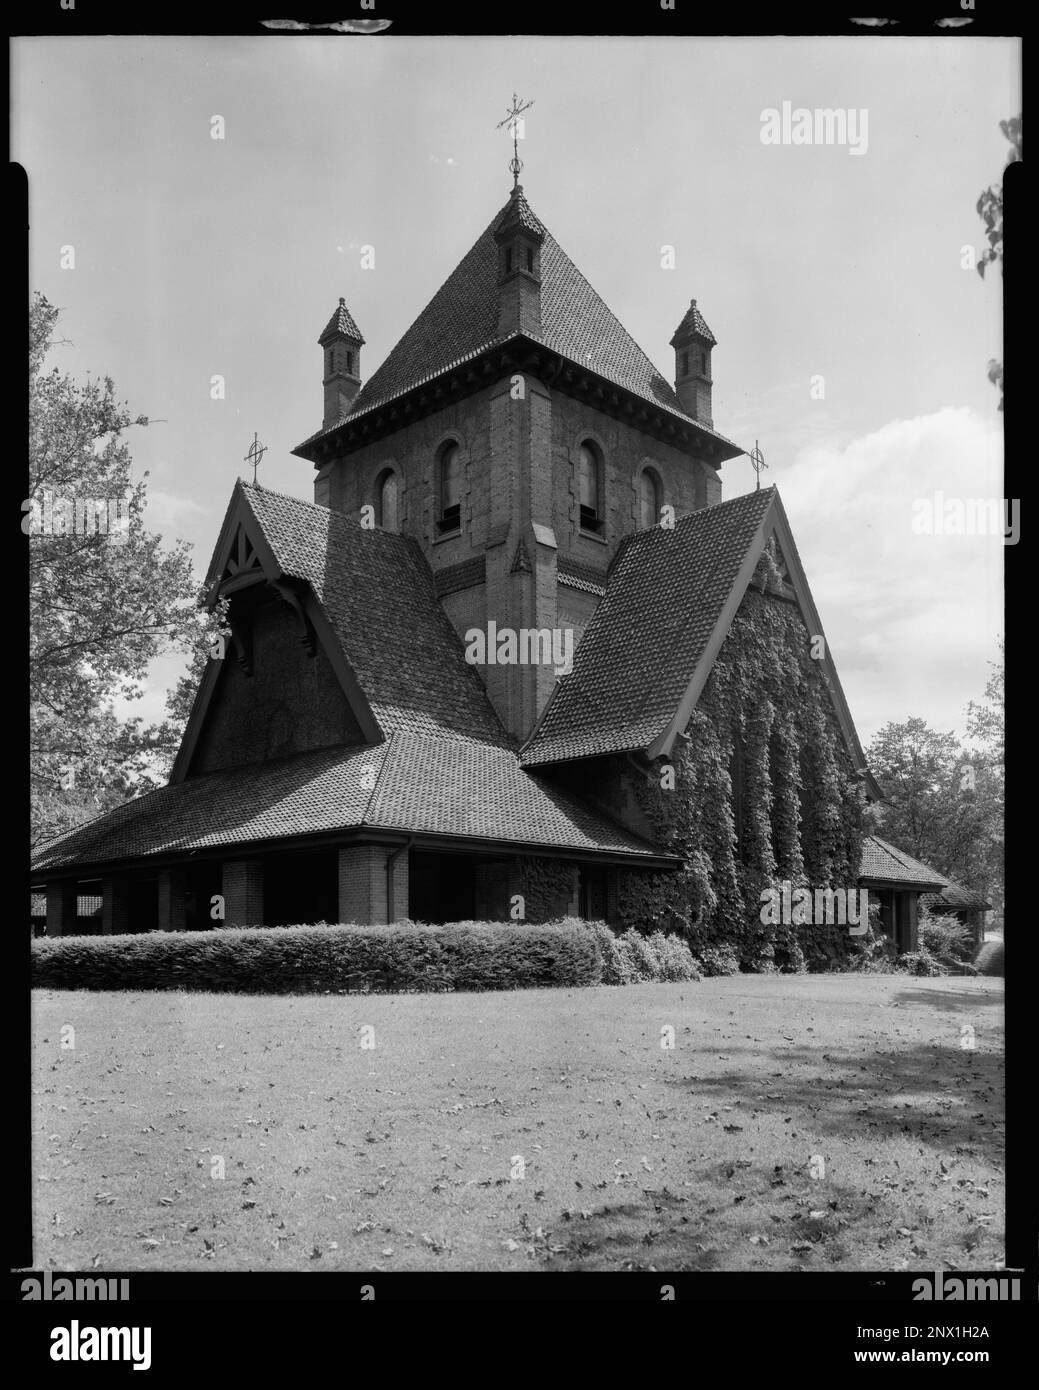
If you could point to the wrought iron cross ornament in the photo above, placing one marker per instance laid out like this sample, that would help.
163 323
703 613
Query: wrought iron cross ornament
757 462
255 454
512 121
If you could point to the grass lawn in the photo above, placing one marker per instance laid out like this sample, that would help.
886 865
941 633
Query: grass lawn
634 1156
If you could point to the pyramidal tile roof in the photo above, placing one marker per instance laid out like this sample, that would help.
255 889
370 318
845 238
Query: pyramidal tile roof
664 600
693 322
461 320
342 321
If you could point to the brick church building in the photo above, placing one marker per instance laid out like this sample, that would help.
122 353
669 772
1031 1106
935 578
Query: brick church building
516 470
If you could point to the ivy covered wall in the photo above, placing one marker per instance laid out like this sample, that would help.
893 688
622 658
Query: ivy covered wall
764 720
548 886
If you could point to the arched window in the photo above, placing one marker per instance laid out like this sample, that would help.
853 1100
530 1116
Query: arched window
649 499
685 364
450 489
387 505
589 481
703 364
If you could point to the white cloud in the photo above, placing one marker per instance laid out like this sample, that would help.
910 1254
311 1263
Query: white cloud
912 619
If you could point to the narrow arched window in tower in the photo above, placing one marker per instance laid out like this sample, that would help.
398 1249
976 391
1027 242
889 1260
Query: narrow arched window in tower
388 501
685 364
589 482
450 489
649 499
350 364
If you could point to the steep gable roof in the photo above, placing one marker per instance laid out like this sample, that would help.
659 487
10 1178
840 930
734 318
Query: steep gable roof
372 598
461 320
649 649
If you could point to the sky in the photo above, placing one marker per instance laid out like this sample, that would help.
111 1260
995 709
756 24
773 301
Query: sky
853 334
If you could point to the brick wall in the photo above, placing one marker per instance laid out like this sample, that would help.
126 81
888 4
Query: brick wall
362 884
242 889
625 451
172 911
115 906
62 901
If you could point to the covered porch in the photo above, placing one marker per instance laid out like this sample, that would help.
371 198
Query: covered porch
369 881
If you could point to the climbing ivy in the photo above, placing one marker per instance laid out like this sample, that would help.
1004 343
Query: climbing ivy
548 886
801 804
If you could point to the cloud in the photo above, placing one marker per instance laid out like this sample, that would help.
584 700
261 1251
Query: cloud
912 619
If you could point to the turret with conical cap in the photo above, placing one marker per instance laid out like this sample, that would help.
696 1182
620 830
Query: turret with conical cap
341 343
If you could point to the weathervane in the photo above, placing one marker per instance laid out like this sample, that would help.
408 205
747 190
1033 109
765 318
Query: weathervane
512 121
255 454
757 462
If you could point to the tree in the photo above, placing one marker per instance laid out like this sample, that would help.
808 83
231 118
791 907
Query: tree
986 724
915 766
943 803
106 596
990 210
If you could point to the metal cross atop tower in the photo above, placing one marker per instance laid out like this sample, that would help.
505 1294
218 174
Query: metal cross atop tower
757 462
255 454
512 120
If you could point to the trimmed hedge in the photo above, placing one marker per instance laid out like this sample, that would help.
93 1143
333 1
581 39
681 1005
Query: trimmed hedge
989 960
402 958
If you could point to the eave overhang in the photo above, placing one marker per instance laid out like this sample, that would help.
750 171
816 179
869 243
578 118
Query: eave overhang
518 353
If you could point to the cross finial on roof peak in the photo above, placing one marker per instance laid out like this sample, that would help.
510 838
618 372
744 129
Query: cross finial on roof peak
515 125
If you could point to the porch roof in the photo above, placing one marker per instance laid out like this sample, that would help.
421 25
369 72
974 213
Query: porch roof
886 865
429 786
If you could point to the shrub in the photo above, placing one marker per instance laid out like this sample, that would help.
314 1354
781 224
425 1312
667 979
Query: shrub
920 963
674 959
945 936
641 959
874 952
400 958
616 963
989 960
718 960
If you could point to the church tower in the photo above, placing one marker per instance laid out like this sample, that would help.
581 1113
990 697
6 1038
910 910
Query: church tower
518 435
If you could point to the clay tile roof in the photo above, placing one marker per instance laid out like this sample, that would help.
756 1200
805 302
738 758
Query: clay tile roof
885 863
664 598
342 321
693 322
517 209
378 593
954 896
433 786
461 320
